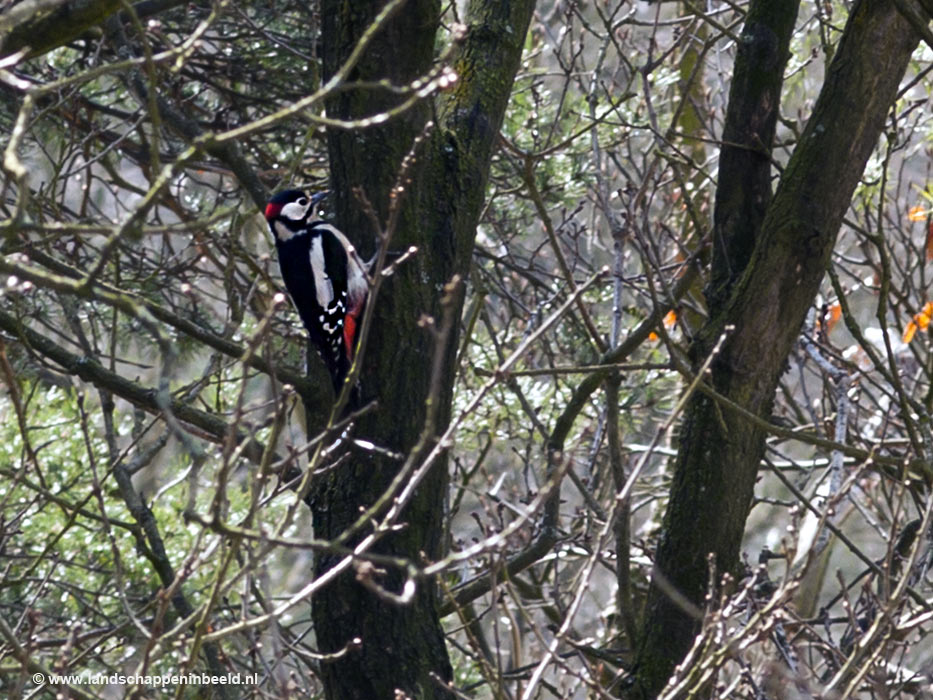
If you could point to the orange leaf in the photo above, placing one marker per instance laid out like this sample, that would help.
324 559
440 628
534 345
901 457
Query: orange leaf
835 313
926 313
921 321
670 318
917 213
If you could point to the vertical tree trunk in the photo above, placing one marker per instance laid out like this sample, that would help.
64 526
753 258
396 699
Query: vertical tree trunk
743 190
764 302
403 645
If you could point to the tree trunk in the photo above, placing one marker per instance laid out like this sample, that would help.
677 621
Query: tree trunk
760 317
402 646
743 190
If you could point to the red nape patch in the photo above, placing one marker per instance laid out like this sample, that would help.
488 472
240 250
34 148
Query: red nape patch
272 210
349 335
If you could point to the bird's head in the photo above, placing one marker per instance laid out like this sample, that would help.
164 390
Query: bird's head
289 210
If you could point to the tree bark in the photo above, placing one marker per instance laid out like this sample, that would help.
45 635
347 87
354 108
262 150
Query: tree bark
743 190
38 28
402 646
760 318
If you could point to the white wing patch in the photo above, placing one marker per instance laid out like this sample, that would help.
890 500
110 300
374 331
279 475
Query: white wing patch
357 284
323 287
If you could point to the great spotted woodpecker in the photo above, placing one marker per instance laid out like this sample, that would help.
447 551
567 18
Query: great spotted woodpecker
324 276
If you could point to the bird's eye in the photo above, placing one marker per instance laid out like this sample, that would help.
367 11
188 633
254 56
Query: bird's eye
302 202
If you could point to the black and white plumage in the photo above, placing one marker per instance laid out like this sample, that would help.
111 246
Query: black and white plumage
324 276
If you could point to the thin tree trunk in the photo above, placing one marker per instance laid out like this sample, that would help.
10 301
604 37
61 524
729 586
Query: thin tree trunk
760 319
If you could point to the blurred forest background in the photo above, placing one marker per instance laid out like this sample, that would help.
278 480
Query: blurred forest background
161 429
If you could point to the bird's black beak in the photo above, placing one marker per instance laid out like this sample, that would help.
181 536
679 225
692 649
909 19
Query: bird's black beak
318 196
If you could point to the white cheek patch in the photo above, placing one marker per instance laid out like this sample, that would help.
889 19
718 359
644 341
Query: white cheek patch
295 211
